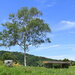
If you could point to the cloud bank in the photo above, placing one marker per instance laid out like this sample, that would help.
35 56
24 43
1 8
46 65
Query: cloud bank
64 25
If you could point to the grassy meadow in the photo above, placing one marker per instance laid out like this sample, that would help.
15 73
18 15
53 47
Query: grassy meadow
21 70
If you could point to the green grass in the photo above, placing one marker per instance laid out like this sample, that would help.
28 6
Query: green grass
21 70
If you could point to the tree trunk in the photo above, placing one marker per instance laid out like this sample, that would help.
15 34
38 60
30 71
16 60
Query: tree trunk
24 57
24 51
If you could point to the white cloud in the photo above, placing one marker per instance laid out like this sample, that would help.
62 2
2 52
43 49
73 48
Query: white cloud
51 4
65 25
43 47
61 57
56 51
53 46
46 3
41 1
59 47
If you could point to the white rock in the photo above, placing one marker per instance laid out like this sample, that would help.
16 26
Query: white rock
8 63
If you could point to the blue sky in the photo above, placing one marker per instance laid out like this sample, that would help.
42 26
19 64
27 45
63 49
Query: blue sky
59 14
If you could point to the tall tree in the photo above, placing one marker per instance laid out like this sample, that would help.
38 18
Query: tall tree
25 28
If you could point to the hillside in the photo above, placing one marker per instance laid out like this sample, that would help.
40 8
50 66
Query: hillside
31 59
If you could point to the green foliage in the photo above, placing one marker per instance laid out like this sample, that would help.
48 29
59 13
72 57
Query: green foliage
9 56
40 64
25 24
1 62
73 63
66 59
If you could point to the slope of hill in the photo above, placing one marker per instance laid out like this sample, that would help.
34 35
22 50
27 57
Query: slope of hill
31 59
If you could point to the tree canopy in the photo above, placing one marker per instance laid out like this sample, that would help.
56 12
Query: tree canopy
25 28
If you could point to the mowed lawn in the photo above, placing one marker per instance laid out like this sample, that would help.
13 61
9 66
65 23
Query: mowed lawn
21 70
